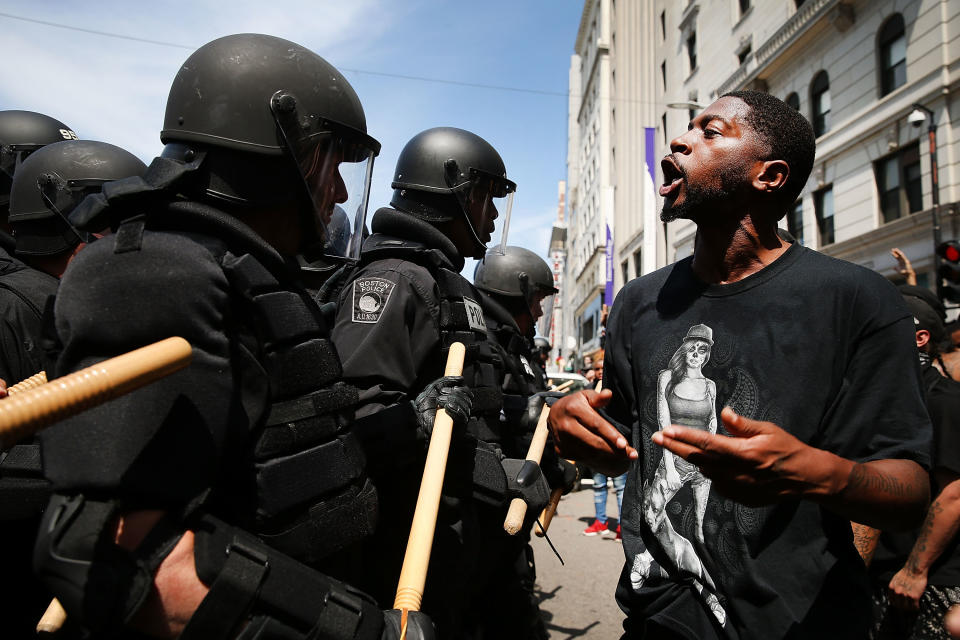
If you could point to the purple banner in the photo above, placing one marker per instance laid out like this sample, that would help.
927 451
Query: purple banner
608 292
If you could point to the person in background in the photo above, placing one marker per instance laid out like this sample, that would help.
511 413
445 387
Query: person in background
601 483
917 574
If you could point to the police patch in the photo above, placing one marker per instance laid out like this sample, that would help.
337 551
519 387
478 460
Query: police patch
370 296
526 366
474 315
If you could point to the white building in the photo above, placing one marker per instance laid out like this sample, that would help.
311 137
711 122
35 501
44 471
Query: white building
854 68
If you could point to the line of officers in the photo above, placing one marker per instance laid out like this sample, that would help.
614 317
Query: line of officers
267 490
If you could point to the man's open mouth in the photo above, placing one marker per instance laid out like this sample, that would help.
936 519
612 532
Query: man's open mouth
672 177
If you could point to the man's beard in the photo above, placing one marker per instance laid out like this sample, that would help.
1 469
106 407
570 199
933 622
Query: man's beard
704 199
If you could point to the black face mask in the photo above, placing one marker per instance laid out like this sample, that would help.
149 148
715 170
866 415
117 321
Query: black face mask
925 359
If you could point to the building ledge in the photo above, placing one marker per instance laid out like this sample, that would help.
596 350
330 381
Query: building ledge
805 17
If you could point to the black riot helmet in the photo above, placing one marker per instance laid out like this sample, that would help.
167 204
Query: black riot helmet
52 181
542 348
517 273
22 133
446 172
273 122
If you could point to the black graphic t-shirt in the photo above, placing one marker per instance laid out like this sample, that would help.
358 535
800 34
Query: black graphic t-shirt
821 347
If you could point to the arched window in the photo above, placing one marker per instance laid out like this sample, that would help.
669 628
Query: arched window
892 46
820 103
793 100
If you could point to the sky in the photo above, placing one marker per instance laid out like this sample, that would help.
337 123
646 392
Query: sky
114 89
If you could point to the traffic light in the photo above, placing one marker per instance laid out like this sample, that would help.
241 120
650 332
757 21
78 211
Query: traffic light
949 253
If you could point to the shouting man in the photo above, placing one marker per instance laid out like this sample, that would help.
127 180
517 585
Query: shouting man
792 407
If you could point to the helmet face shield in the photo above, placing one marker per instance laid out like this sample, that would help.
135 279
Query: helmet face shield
484 198
336 166
544 322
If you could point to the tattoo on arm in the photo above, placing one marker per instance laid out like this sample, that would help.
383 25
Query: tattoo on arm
863 477
865 539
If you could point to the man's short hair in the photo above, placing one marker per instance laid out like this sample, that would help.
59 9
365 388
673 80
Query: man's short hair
786 133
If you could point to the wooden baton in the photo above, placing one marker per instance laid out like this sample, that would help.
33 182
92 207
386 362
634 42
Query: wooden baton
548 511
518 508
34 403
33 381
25 413
413 575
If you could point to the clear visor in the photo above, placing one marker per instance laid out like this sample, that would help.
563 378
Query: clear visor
336 165
487 202
543 324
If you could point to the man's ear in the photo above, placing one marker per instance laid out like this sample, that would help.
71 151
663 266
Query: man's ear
923 338
772 176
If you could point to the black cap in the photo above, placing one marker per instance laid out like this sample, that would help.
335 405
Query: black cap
926 318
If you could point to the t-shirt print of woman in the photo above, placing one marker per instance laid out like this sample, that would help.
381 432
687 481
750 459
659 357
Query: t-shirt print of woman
685 397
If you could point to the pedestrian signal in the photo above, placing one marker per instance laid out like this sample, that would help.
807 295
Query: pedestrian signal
949 272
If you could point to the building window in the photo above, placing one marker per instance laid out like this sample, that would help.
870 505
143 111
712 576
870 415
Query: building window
744 54
823 206
893 54
820 103
637 263
663 73
744 6
626 271
663 123
795 220
692 51
898 183
586 330
793 100
663 25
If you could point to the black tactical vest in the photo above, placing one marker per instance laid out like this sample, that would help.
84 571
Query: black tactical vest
461 320
311 496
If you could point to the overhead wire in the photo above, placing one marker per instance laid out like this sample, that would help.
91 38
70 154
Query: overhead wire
386 74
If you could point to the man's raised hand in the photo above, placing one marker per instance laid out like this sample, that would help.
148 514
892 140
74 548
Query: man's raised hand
582 434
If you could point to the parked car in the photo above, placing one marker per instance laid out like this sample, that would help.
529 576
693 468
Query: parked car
569 382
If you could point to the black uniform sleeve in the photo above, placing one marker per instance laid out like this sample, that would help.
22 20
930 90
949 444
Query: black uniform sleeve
161 444
388 335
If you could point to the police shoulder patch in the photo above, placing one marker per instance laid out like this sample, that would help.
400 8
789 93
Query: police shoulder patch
370 296
474 315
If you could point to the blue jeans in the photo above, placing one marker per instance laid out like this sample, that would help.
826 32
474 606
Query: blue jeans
600 494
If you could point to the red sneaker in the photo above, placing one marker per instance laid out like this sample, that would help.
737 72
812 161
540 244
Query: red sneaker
595 528
619 536
613 534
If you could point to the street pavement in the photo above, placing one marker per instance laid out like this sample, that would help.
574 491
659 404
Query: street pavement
577 598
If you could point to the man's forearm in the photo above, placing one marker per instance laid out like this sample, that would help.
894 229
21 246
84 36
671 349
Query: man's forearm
939 528
883 494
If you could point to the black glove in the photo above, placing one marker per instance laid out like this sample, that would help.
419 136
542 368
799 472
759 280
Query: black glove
531 415
448 393
419 626
560 473
525 480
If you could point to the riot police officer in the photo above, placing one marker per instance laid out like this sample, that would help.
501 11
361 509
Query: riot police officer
23 291
22 133
541 356
512 285
398 314
46 187
227 499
